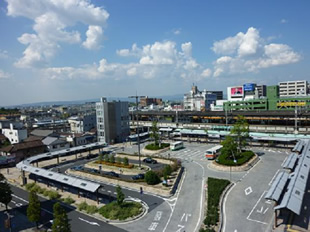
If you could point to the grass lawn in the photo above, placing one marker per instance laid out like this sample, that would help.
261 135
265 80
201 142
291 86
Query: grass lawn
241 159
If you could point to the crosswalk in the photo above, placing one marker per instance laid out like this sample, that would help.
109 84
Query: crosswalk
189 153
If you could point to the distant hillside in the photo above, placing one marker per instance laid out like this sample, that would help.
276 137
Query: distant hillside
177 97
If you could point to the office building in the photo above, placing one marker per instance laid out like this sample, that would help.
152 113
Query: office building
83 123
146 101
198 100
112 121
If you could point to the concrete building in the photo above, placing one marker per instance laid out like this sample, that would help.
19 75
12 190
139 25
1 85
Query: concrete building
198 100
112 121
14 131
293 88
55 144
146 101
83 123
219 94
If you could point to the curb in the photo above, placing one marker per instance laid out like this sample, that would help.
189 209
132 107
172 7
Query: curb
222 205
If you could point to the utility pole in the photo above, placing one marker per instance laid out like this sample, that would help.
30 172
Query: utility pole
137 130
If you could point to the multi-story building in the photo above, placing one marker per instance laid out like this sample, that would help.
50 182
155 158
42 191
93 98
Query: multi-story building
198 100
83 123
112 121
219 94
293 88
14 131
146 101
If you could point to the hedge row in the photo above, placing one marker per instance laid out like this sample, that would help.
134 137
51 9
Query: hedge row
52 195
215 189
115 211
154 147
241 159
119 165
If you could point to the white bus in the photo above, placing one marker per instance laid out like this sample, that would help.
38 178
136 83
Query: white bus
176 146
213 152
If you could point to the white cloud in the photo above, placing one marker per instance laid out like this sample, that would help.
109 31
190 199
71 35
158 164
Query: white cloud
206 73
4 75
249 53
132 71
177 31
105 67
135 51
187 48
94 36
52 20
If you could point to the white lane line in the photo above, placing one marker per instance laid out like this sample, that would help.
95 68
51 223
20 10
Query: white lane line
273 177
284 161
91 223
248 217
19 198
224 211
202 196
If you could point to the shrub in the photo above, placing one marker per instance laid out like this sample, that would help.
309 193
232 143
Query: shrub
91 209
241 159
82 206
114 211
118 160
167 170
68 200
215 189
126 161
151 178
29 186
153 146
106 158
100 158
112 159
53 195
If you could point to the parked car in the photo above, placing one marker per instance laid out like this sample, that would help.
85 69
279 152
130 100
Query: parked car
149 160
138 177
114 174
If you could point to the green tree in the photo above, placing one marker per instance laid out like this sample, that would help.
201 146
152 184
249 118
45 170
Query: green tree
154 133
60 221
34 208
5 191
125 161
240 131
118 160
229 148
151 178
106 158
120 196
167 170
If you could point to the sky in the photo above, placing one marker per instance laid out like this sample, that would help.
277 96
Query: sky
61 50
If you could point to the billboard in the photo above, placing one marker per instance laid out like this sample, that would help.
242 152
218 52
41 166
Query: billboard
249 87
236 91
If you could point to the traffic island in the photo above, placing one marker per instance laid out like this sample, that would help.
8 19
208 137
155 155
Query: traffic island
235 167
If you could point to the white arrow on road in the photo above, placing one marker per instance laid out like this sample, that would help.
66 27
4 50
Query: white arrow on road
91 223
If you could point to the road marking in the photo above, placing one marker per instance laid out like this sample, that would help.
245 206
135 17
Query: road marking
248 191
158 216
91 223
268 202
185 215
260 211
19 198
13 201
273 177
248 217
265 211
180 228
153 226
284 161
19 204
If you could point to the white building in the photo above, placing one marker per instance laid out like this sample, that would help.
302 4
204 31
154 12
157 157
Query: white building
14 131
112 121
81 124
293 88
55 144
198 100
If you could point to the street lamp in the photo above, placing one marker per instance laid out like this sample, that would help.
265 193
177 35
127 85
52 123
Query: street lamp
137 130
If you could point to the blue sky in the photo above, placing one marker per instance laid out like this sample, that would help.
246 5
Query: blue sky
77 49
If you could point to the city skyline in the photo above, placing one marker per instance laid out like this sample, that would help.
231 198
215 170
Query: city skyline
71 50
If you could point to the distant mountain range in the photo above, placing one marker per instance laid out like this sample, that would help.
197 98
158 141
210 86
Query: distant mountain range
177 97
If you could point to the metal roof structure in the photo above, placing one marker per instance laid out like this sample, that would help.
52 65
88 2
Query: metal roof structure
290 161
25 165
277 186
291 197
299 146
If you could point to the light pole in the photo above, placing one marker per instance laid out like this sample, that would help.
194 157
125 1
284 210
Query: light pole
137 130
